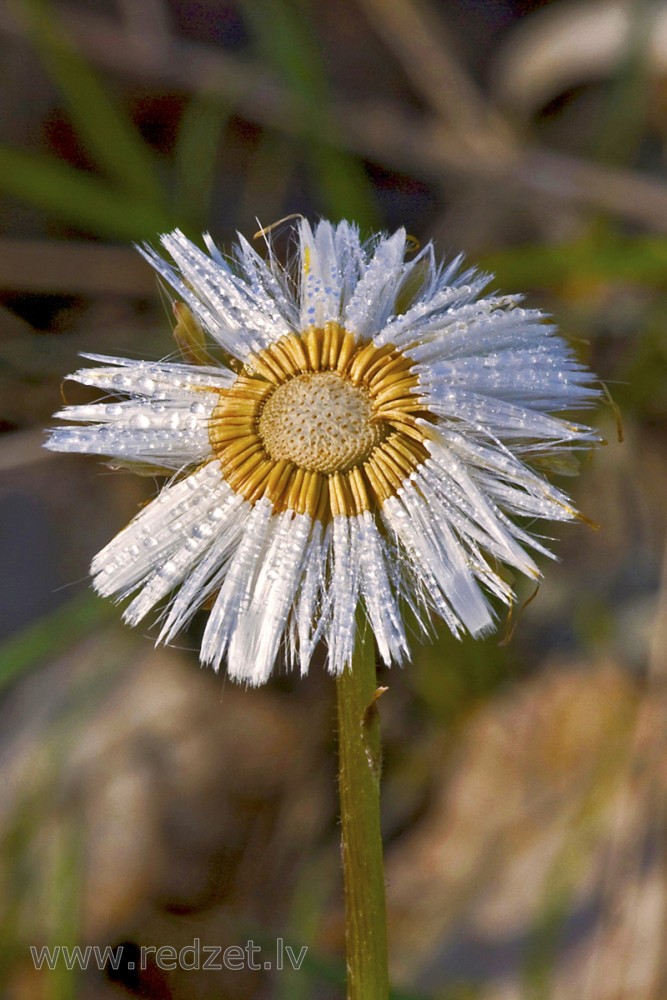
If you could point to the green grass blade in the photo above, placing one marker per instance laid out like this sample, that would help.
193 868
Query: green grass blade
623 121
197 145
79 198
64 903
108 134
636 259
51 635
286 41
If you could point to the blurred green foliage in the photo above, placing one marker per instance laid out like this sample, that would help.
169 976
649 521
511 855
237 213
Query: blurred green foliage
104 128
135 194
287 41
595 259
51 635
128 201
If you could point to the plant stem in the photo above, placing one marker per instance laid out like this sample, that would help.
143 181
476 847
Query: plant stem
359 751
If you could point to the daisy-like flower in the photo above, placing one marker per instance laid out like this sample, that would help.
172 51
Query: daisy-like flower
365 441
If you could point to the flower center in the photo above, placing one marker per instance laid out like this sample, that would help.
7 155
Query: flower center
320 422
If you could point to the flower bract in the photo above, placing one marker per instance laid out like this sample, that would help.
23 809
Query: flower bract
369 435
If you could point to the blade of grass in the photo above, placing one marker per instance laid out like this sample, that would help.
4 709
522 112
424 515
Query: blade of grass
546 936
195 156
107 133
623 121
63 902
265 191
51 635
308 903
286 41
637 259
78 198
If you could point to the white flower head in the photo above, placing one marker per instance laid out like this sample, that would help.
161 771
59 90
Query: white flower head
366 442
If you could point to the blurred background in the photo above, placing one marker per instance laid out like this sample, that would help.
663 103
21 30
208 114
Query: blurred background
146 802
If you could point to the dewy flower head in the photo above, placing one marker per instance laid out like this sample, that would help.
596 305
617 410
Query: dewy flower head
365 441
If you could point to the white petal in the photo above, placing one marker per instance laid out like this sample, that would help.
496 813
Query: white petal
240 319
207 542
344 592
378 593
454 497
499 419
236 592
374 297
208 573
152 379
351 260
268 282
475 329
159 531
439 560
502 463
320 280
313 609
503 476
431 314
535 378
260 626
168 433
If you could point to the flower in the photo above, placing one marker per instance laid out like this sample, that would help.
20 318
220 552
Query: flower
365 440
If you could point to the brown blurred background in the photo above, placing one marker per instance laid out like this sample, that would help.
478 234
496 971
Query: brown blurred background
148 803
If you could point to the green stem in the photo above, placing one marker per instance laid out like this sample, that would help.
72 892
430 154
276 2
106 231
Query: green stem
359 787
